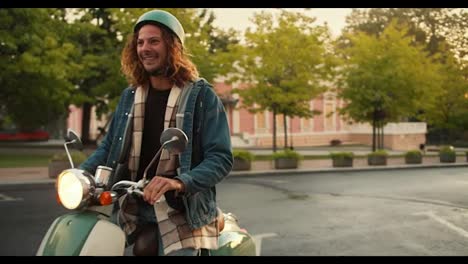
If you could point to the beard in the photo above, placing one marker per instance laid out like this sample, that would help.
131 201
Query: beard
161 71
158 68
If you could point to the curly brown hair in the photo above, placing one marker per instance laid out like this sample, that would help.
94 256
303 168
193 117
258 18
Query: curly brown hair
180 68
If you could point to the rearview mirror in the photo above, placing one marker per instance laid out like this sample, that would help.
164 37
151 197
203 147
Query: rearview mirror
174 140
72 139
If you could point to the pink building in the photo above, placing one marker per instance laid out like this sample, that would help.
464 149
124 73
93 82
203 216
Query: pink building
255 130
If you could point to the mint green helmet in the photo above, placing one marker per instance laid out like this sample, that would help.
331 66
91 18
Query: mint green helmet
163 17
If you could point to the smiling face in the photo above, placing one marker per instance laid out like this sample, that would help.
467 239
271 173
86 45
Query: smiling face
152 50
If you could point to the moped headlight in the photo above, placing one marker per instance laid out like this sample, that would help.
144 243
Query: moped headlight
74 188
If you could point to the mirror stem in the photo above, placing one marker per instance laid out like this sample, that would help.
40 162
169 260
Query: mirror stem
156 156
68 153
151 163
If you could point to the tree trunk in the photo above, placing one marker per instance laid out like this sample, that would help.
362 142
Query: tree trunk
382 136
373 132
291 136
378 136
274 129
285 132
85 123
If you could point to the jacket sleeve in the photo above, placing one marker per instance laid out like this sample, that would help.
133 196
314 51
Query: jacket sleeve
101 154
216 147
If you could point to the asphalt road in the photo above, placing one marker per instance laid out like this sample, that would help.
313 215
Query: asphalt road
386 213
27 211
418 212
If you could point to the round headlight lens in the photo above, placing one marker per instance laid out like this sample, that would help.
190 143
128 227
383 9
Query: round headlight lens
71 189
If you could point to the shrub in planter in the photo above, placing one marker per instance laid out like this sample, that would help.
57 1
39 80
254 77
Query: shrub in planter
447 154
286 159
242 159
342 159
413 157
59 162
378 157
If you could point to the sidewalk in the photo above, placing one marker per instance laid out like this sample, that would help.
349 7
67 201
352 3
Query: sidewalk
36 175
25 175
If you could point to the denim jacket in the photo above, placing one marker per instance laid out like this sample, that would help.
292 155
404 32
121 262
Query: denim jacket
199 177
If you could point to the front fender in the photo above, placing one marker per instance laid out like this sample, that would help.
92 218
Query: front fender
234 241
82 233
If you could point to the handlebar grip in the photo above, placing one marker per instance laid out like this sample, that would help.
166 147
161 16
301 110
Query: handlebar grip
138 192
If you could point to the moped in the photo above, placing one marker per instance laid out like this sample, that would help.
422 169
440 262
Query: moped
88 230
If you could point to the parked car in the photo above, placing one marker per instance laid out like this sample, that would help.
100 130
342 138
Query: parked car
14 135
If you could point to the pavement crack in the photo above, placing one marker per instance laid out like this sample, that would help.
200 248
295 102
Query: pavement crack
290 194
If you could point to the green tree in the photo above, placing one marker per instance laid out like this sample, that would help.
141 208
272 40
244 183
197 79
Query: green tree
449 113
207 44
443 33
36 65
432 27
285 62
99 80
386 78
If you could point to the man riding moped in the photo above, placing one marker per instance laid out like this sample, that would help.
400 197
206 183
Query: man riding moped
176 212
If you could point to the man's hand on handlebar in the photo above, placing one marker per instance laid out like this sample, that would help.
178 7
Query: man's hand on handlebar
158 186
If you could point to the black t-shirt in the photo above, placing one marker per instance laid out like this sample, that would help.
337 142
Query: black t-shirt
155 109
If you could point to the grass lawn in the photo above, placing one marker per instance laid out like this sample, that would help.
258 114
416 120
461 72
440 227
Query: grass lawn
24 160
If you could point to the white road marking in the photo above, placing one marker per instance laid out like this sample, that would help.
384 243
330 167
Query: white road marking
258 241
272 181
455 228
6 198
278 181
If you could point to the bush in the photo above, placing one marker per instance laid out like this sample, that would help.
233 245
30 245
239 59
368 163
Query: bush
378 157
413 157
59 162
341 155
446 149
342 159
286 159
242 159
78 157
378 153
413 154
288 154
242 154
447 154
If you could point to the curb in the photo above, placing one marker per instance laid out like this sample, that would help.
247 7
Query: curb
281 172
17 182
351 169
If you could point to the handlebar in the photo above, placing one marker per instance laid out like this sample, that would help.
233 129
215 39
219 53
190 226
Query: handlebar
130 186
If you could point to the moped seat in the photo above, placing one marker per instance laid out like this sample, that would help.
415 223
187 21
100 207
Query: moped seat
220 219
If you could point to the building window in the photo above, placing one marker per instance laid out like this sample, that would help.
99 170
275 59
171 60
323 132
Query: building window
261 125
329 116
261 120
280 123
307 124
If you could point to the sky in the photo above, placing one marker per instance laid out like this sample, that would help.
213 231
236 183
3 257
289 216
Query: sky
238 18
